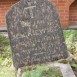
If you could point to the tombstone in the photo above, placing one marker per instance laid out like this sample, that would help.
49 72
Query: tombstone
35 33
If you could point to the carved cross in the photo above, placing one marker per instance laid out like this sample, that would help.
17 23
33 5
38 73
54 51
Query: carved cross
30 9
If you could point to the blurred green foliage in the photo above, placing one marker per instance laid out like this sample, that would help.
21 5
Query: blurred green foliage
43 71
71 40
5 58
7 72
5 51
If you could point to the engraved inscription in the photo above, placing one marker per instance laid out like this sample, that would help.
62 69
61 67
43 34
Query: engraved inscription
35 33
30 9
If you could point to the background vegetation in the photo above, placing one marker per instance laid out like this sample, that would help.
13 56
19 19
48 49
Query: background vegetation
71 40
5 58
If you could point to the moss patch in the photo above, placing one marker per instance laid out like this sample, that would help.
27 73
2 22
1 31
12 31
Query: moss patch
43 71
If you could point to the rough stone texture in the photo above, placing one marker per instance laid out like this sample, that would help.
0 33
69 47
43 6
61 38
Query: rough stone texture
65 69
35 33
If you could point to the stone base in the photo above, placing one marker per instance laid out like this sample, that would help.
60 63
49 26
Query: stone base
3 29
73 27
65 68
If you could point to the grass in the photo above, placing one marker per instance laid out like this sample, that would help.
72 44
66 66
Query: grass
5 58
43 71
7 72
71 40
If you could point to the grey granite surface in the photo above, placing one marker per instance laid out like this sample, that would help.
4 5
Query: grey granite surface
35 33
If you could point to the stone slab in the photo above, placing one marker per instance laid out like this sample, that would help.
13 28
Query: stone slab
65 69
35 33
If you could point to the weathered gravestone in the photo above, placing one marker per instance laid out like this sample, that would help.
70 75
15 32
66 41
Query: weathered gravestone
35 33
